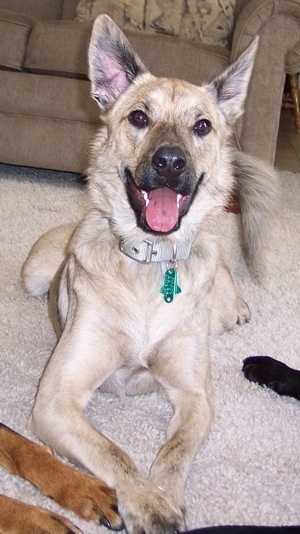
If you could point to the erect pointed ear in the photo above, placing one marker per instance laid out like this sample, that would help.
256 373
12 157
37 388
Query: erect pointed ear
112 62
231 87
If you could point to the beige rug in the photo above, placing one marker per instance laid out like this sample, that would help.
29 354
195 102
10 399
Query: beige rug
248 471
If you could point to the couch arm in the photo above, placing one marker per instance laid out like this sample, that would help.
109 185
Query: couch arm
277 22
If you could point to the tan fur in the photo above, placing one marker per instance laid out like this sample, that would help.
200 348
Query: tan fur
117 332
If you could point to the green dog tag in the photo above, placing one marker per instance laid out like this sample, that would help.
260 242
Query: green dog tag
170 287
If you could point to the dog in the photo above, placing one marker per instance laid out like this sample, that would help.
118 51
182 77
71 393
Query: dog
80 492
276 375
138 284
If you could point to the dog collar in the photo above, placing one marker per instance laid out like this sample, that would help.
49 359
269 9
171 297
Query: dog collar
147 251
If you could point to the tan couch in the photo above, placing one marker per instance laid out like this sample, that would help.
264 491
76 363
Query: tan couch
46 113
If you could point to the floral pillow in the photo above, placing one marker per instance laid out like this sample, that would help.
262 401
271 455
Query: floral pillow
208 21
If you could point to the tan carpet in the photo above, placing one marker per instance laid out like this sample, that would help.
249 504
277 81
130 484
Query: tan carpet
248 471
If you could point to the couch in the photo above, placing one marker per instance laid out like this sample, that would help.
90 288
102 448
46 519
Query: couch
47 115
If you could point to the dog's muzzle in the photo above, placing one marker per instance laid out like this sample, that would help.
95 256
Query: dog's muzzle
161 193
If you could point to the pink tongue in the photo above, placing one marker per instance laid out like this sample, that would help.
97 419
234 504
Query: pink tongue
162 210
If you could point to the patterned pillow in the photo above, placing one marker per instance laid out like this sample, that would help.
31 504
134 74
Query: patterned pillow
208 21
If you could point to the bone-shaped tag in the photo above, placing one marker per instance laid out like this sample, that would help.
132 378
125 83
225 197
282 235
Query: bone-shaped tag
170 287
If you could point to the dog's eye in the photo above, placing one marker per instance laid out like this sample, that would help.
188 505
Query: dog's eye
138 118
202 127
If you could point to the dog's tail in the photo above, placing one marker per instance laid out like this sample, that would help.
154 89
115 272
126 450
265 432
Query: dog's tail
45 259
257 189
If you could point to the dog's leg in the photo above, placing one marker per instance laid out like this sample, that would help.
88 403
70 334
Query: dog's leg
83 359
17 517
274 374
85 495
183 368
228 307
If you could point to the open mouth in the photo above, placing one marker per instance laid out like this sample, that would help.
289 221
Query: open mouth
157 210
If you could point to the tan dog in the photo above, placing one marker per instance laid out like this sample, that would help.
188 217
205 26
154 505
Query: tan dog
142 280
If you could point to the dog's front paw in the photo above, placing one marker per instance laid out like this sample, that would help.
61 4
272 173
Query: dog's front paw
274 374
90 499
149 510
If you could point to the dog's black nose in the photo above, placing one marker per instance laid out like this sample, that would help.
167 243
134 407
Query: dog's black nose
169 162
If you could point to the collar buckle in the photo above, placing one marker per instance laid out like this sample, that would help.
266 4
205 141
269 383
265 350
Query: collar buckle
142 252
147 252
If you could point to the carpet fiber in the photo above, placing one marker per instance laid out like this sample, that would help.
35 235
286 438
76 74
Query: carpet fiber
248 471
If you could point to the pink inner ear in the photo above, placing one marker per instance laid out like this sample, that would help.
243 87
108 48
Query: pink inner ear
118 81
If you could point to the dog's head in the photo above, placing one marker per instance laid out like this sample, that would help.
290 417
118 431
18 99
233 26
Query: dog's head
164 139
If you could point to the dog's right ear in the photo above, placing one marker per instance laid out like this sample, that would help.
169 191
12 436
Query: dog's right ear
113 64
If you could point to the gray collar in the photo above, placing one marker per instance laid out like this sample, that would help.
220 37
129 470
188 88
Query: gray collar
147 251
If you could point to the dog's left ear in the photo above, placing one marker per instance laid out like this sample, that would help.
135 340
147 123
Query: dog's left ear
231 87
113 64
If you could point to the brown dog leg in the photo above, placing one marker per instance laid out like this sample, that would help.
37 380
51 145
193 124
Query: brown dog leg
17 517
87 496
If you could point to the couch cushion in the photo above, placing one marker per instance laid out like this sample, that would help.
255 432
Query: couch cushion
50 97
39 9
59 47
170 56
209 22
69 9
14 34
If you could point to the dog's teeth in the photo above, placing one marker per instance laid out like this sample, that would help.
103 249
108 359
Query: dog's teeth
145 195
179 197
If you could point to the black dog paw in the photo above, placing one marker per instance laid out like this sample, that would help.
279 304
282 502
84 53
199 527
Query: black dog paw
274 374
